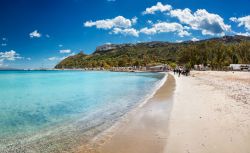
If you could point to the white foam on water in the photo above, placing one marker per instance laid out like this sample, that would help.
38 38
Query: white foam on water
158 85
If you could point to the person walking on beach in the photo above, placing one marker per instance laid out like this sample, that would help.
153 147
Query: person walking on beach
179 72
187 72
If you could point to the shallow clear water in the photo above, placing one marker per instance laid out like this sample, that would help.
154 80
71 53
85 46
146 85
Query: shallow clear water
31 101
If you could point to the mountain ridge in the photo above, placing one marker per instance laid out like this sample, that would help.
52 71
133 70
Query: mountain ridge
146 53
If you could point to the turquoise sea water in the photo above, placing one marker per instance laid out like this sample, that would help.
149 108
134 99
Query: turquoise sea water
37 105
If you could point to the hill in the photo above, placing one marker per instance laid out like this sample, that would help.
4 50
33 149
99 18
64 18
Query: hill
217 52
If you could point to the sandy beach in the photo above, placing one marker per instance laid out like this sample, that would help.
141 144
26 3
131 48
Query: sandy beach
203 113
144 129
211 113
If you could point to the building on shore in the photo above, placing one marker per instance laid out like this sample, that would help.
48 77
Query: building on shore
128 69
239 67
201 67
158 68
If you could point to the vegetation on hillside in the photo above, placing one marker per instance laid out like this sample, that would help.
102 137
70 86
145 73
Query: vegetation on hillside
216 52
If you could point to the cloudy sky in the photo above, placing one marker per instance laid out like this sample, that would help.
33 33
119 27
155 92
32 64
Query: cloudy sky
40 33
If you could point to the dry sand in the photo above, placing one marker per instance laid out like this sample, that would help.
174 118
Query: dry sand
211 114
144 130
207 112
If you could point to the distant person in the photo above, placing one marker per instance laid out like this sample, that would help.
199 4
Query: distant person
187 72
174 71
179 72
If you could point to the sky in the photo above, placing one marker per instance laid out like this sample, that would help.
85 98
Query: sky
40 33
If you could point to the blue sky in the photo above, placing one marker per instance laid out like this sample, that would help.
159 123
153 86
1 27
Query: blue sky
39 33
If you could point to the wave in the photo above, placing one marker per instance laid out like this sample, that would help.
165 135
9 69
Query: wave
158 85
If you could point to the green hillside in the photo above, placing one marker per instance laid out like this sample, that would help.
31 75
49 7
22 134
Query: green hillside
217 52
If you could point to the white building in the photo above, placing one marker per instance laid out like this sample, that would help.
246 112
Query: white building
201 67
158 68
240 67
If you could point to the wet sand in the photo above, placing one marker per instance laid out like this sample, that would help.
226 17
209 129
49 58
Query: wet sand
207 112
144 130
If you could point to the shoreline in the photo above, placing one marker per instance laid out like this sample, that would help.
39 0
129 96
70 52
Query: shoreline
73 131
205 112
196 114
126 129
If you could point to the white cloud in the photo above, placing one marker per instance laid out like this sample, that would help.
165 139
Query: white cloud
1 63
158 7
243 33
208 23
126 32
185 16
4 39
195 39
9 56
111 0
148 31
234 19
164 27
150 22
53 58
72 54
35 34
134 20
117 25
108 43
117 22
28 58
179 41
3 44
65 51
60 45
243 21
183 33
47 35
62 58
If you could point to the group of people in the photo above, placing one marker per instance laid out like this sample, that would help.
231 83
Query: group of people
180 71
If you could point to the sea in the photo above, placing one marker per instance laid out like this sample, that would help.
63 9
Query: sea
54 111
